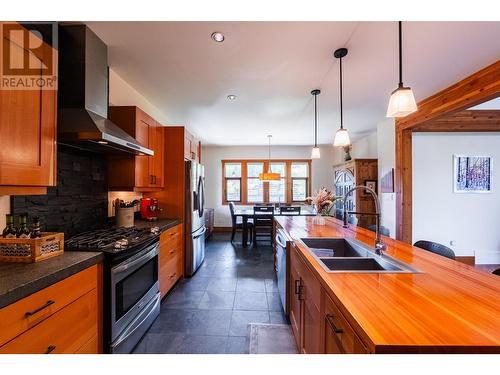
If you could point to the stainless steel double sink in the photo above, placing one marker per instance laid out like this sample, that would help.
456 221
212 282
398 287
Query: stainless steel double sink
337 255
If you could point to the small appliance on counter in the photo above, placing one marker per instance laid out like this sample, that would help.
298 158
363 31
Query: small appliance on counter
124 213
149 209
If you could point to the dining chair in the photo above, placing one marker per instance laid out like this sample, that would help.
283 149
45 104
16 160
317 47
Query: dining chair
435 248
383 230
263 224
289 210
237 223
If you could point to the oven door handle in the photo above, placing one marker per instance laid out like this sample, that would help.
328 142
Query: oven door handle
134 324
201 234
141 259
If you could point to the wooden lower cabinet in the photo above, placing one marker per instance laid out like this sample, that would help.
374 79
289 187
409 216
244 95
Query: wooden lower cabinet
317 323
171 258
295 303
339 337
66 331
62 318
304 306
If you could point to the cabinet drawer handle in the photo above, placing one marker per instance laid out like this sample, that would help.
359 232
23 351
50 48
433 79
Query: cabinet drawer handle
297 286
172 251
173 275
329 320
47 304
50 349
301 297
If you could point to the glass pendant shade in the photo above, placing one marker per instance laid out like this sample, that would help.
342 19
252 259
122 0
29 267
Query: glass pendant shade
401 103
315 153
269 176
341 138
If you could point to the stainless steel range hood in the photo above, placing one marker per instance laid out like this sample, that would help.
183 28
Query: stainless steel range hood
83 96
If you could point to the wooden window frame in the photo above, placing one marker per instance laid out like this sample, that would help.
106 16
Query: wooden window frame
224 183
244 179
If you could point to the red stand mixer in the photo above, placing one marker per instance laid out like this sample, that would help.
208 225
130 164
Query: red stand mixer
149 209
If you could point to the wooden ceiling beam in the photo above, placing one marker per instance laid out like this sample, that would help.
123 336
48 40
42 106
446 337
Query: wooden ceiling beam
464 121
478 88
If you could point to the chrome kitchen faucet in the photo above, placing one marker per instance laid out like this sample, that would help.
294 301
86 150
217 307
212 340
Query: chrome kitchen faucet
379 245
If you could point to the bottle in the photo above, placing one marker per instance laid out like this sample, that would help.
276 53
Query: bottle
35 228
10 230
23 231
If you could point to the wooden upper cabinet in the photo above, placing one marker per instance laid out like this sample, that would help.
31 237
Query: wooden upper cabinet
27 131
156 163
142 172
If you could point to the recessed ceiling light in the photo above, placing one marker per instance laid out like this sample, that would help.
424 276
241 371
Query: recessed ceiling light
231 97
218 37
102 142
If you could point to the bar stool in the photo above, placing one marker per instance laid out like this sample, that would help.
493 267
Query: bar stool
435 248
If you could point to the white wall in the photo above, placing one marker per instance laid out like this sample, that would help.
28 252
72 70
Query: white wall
472 221
4 209
366 147
386 151
121 93
322 172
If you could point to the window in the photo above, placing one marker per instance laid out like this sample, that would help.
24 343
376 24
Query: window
300 177
232 182
241 182
277 189
255 187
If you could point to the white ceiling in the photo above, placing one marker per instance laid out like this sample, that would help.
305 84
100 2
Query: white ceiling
273 66
491 104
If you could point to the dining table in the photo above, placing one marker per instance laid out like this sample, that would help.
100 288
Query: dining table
248 213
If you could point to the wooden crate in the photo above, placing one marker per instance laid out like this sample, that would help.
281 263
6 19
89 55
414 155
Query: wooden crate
29 250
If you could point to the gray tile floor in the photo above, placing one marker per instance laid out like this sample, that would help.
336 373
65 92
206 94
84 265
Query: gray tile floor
210 312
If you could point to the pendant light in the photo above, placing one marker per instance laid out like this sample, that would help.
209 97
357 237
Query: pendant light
315 153
269 176
342 135
402 101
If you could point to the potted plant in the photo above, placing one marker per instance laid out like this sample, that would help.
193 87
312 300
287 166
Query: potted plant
322 201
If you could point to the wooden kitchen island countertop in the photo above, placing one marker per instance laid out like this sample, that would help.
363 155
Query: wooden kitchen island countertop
448 307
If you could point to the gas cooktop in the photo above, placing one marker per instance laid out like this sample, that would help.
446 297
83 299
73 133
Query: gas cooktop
112 240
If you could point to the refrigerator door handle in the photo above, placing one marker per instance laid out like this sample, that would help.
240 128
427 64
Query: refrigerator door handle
195 201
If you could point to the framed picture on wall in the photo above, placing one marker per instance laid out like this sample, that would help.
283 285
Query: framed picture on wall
471 174
372 184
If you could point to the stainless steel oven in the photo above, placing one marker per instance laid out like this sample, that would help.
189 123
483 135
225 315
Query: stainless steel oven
135 298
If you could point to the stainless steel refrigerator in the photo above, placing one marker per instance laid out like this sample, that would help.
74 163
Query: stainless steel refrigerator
195 222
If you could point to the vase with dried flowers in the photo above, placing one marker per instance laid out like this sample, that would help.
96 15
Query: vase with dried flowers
322 201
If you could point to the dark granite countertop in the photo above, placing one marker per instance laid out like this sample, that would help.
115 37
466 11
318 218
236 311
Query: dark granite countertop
19 280
163 224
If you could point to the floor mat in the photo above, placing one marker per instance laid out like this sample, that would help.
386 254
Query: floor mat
272 339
